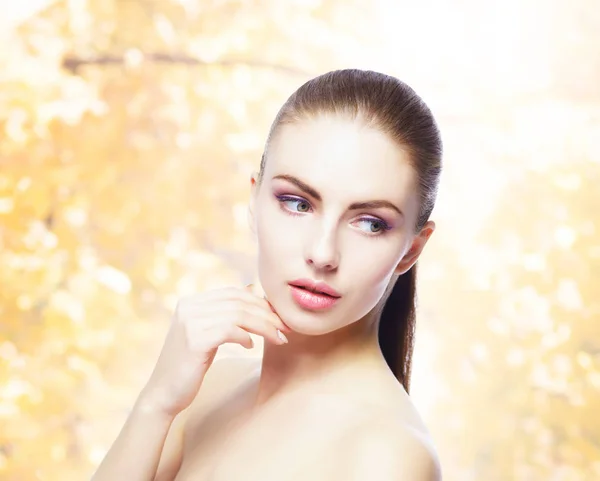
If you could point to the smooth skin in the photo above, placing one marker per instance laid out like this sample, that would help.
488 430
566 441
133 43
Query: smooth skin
199 326
323 406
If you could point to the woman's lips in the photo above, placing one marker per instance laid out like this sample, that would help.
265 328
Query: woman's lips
312 300
318 287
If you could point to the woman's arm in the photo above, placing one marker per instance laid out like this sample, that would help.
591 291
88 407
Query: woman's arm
150 442
200 325
144 450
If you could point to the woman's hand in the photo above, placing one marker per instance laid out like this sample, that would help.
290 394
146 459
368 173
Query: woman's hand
200 324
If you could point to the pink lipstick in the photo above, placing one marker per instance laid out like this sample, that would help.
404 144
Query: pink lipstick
313 295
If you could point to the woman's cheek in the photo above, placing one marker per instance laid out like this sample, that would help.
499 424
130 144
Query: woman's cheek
376 270
275 227
272 235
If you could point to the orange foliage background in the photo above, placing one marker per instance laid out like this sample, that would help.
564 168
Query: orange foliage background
129 129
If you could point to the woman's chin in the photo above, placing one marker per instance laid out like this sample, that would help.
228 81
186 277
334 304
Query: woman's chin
305 323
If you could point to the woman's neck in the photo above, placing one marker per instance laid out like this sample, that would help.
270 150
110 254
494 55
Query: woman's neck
332 363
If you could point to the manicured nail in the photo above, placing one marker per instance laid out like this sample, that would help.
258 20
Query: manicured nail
281 336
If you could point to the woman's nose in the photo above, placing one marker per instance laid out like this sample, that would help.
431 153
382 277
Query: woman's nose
324 265
323 253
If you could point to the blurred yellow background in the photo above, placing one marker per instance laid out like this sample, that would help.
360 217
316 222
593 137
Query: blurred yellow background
128 132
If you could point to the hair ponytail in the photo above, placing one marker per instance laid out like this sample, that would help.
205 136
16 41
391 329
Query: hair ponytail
397 326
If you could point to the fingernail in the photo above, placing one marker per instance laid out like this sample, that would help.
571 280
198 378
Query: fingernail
249 286
281 336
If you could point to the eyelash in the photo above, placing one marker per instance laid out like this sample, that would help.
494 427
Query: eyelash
286 198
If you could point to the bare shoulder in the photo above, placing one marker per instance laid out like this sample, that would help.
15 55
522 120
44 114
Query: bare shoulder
384 449
226 371
223 377
220 379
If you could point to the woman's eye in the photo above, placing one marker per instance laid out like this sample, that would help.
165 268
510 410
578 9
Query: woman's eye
302 205
374 226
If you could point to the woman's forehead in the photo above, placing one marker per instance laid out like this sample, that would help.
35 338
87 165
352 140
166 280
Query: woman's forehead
342 155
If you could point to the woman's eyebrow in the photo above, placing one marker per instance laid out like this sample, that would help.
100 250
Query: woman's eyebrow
301 185
372 204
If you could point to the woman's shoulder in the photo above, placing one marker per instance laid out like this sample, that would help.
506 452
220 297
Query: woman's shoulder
393 436
227 373
393 447
222 379
229 370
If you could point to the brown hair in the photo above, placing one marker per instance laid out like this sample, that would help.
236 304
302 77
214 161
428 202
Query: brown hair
388 104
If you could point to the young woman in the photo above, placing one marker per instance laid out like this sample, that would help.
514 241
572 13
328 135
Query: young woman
340 211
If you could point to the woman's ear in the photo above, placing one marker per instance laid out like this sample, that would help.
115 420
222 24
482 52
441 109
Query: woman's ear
253 193
410 258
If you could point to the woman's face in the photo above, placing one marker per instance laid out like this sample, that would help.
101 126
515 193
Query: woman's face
309 223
